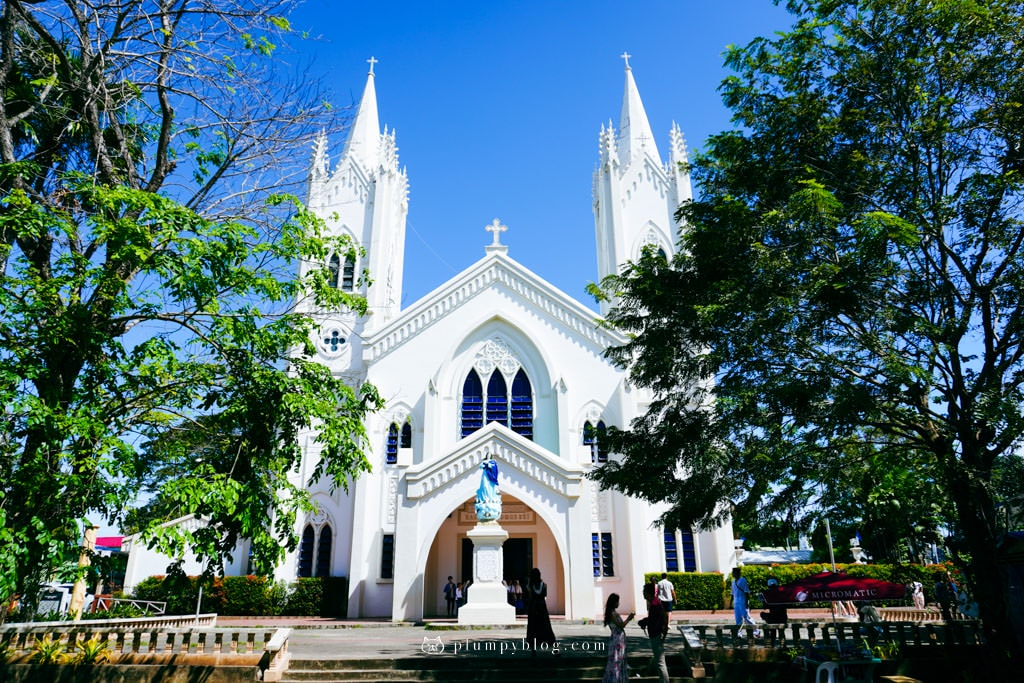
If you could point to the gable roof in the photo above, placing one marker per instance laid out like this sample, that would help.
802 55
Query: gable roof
495 441
493 271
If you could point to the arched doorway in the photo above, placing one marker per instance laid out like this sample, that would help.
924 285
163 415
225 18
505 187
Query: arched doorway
530 544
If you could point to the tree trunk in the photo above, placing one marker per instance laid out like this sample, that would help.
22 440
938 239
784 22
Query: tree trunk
977 525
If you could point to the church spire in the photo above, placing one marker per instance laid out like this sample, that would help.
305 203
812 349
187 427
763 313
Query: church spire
635 135
635 195
364 136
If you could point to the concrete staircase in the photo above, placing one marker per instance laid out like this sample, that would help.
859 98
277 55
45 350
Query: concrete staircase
543 668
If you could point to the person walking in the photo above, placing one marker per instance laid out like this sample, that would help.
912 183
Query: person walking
657 631
538 621
740 600
616 670
450 597
666 595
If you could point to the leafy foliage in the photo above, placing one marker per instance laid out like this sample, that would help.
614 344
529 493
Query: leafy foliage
46 650
249 595
843 318
152 340
695 590
92 651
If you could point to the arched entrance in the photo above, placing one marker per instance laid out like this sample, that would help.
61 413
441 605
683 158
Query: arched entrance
530 544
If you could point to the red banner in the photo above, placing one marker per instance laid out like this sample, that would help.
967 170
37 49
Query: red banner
829 587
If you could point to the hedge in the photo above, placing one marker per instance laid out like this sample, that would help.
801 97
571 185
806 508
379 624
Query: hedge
710 591
695 590
248 595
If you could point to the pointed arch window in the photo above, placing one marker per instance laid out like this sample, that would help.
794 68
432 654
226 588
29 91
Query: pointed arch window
334 269
306 552
592 436
348 275
497 399
522 405
472 404
480 408
391 449
315 550
398 437
323 551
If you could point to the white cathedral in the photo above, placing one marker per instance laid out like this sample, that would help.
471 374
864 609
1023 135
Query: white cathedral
495 363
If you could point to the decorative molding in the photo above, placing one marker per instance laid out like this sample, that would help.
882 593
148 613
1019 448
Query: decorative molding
318 517
502 444
511 513
593 413
391 498
495 353
657 175
487 560
400 415
333 340
543 298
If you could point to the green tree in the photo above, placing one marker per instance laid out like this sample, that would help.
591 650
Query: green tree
148 282
848 285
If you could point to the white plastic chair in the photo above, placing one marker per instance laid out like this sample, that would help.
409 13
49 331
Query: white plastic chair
829 670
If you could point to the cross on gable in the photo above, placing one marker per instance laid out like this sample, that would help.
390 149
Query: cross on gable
496 228
625 57
371 61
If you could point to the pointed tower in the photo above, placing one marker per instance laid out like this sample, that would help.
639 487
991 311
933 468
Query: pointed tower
365 198
635 194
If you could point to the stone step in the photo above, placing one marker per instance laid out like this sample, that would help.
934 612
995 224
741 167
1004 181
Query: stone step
541 669
494 676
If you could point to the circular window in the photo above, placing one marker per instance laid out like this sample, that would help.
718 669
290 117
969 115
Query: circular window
333 341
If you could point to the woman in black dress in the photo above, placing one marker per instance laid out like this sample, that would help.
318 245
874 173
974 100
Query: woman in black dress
538 622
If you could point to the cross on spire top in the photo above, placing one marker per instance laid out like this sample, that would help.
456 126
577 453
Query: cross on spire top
496 228
371 61
625 57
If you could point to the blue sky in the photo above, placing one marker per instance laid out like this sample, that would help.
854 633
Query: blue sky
498 106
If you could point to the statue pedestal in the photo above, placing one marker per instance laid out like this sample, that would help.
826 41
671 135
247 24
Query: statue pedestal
487 599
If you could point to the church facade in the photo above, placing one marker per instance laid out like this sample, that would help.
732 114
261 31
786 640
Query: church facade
496 363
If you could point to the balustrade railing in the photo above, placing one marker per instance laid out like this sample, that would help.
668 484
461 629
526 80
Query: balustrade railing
146 642
801 635
105 602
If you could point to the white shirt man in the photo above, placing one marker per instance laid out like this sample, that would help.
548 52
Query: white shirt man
666 593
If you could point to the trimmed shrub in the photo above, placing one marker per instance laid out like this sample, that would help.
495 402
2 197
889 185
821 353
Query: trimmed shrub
305 598
695 590
249 595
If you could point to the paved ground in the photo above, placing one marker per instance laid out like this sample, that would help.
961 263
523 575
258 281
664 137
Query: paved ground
343 639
